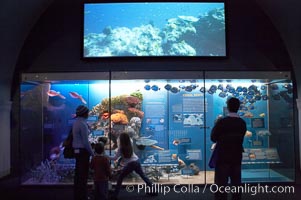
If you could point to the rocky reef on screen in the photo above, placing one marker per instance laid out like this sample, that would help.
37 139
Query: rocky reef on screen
181 36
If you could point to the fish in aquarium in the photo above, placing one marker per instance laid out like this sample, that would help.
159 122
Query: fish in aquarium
155 88
174 90
239 89
228 86
228 81
182 86
167 87
252 156
248 134
257 97
262 115
253 80
203 89
248 115
210 92
225 90
231 89
53 93
220 87
176 142
251 107
147 87
288 86
146 81
251 92
263 87
105 115
243 107
252 88
241 98
188 88
249 96
244 89
75 95
264 97
194 86
235 94
213 88
241 113
251 101
274 86
222 94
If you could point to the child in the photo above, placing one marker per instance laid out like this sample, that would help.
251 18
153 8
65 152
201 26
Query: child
102 172
129 162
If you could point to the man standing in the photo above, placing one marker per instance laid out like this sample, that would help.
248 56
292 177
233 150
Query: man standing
228 134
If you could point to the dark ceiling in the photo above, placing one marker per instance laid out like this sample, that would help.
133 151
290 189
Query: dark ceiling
18 18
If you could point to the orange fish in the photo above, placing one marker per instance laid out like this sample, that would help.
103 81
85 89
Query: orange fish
53 93
105 115
75 95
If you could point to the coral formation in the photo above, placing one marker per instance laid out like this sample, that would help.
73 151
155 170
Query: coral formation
119 118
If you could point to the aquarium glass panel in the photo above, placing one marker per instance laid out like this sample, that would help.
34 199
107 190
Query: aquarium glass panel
154 29
165 119
267 108
169 116
48 103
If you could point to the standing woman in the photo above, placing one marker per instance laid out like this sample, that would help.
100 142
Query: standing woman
129 162
83 151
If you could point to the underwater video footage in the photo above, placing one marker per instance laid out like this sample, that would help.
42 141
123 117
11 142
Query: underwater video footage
154 29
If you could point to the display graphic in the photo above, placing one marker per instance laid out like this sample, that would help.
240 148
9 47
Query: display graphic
262 155
154 29
257 123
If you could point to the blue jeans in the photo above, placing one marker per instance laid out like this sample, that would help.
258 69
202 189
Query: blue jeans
101 190
130 167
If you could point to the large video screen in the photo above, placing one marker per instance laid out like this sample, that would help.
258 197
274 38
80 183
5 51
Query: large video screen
154 29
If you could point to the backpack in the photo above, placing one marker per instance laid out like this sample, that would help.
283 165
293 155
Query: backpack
68 149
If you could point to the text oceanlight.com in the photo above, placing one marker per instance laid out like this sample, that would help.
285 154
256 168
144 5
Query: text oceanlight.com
213 188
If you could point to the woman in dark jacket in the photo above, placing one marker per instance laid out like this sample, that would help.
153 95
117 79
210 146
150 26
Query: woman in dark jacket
82 152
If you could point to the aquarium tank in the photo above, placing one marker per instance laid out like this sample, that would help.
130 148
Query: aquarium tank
130 29
168 114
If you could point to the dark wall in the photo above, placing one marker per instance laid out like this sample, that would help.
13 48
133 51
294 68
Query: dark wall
55 44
